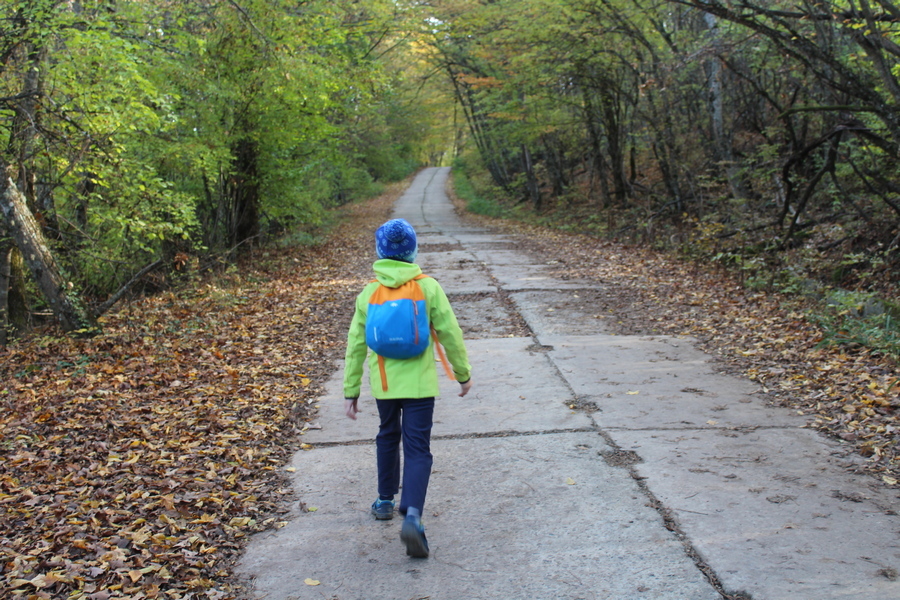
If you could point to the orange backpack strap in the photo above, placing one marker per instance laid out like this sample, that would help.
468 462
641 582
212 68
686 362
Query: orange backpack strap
443 357
383 373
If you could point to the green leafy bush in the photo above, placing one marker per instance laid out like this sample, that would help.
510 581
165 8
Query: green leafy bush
475 202
859 318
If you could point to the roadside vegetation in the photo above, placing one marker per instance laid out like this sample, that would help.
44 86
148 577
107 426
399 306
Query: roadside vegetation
762 140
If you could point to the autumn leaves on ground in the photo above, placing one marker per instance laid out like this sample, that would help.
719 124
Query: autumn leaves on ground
135 464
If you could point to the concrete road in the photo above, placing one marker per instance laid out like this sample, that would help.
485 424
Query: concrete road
583 465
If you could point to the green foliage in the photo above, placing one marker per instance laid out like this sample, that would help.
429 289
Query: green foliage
171 128
476 202
726 117
168 128
860 319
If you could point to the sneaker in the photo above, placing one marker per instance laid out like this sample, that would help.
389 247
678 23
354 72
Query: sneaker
413 535
383 509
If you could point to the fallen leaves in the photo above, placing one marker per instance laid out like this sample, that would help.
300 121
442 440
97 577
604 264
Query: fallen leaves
135 464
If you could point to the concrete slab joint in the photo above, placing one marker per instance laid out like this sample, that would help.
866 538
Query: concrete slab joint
582 465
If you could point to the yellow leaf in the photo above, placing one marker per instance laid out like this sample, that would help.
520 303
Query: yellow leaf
570 481
889 480
312 509
305 381
291 469
205 518
633 393
309 581
305 446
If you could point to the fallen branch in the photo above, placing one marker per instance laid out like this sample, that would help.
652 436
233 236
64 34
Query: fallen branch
124 289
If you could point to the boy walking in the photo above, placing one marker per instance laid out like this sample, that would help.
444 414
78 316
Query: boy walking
404 389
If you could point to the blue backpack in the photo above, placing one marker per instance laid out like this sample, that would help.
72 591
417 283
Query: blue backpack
397 325
397 321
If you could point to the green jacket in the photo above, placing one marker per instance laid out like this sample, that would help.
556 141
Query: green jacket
412 377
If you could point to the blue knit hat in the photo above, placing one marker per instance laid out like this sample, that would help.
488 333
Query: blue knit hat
396 240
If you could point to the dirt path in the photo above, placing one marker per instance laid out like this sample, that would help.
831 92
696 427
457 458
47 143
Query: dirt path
587 464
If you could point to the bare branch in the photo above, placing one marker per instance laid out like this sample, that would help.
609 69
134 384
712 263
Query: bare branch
110 302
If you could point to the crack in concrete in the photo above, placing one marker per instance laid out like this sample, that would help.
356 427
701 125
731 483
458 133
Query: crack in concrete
668 517
466 436
504 295
735 429
632 457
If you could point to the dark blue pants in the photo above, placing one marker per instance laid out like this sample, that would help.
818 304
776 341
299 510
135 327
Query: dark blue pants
408 420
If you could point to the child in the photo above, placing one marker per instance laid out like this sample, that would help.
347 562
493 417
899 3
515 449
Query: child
405 398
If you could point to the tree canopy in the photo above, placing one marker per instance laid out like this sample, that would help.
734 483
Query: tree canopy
749 131
140 132
171 134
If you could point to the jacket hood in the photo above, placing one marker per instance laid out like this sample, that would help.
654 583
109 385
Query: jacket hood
394 273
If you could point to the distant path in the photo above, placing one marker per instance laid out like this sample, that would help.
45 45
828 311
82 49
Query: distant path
584 465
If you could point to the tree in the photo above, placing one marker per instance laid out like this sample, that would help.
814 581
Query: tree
142 131
68 308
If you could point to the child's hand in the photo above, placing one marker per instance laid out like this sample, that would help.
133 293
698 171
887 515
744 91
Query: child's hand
464 388
350 407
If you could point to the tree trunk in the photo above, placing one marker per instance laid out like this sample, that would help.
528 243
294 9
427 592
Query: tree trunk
609 105
244 193
69 309
722 150
531 183
13 304
5 278
598 164
555 163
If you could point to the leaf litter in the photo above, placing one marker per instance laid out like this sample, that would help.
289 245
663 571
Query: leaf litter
135 464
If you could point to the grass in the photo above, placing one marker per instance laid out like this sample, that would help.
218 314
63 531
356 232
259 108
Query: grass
475 202
859 319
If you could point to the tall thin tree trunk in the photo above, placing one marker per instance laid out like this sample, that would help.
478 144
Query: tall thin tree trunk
598 163
534 191
245 193
723 153
13 302
71 312
611 118
555 163
5 278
